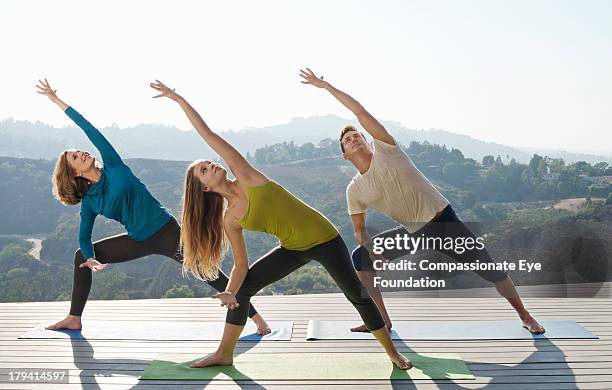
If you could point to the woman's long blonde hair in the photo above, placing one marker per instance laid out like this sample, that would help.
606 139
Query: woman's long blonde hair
68 188
203 239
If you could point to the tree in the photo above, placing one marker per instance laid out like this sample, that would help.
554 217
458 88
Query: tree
499 164
600 168
468 200
488 160
582 167
534 163
565 188
182 291
451 171
599 191
308 150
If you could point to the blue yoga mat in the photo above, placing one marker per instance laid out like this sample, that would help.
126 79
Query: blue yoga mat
163 331
450 330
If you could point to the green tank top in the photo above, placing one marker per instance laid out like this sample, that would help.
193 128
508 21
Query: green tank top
274 210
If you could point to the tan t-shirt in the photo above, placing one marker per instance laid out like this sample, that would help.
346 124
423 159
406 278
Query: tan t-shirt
394 186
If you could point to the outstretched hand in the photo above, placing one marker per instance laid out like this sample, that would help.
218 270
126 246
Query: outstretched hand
227 299
93 264
164 90
45 89
310 78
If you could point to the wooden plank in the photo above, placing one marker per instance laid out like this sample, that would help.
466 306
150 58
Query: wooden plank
508 364
516 380
140 364
102 351
322 386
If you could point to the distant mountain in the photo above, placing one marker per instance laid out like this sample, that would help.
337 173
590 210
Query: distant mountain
567 156
38 140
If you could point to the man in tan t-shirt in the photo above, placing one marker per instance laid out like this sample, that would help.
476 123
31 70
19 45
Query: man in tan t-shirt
388 181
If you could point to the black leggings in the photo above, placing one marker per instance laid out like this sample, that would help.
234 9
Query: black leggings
120 248
445 225
280 262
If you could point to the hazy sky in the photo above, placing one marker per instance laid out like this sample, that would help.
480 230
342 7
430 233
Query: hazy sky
521 73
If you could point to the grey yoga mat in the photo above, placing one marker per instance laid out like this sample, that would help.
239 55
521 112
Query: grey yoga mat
156 330
450 330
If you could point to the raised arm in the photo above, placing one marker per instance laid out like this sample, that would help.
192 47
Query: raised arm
45 89
236 162
107 152
369 123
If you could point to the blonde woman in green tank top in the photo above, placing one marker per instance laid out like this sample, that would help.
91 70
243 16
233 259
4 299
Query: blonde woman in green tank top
255 202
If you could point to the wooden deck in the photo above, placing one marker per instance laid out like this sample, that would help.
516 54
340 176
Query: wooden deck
520 364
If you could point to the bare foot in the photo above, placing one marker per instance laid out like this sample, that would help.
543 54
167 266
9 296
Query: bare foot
532 325
402 362
262 326
216 359
364 329
70 322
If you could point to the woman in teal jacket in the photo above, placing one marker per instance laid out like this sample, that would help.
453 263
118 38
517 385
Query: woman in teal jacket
112 190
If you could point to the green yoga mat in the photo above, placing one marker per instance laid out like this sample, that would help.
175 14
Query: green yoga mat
304 366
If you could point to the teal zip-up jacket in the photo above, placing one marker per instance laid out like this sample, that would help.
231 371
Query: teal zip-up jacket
118 195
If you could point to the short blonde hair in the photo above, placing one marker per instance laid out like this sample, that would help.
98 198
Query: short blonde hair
67 188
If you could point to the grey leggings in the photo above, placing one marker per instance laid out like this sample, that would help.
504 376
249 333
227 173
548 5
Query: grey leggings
120 248
280 262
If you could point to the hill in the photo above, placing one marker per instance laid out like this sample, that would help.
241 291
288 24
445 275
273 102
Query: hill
38 140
